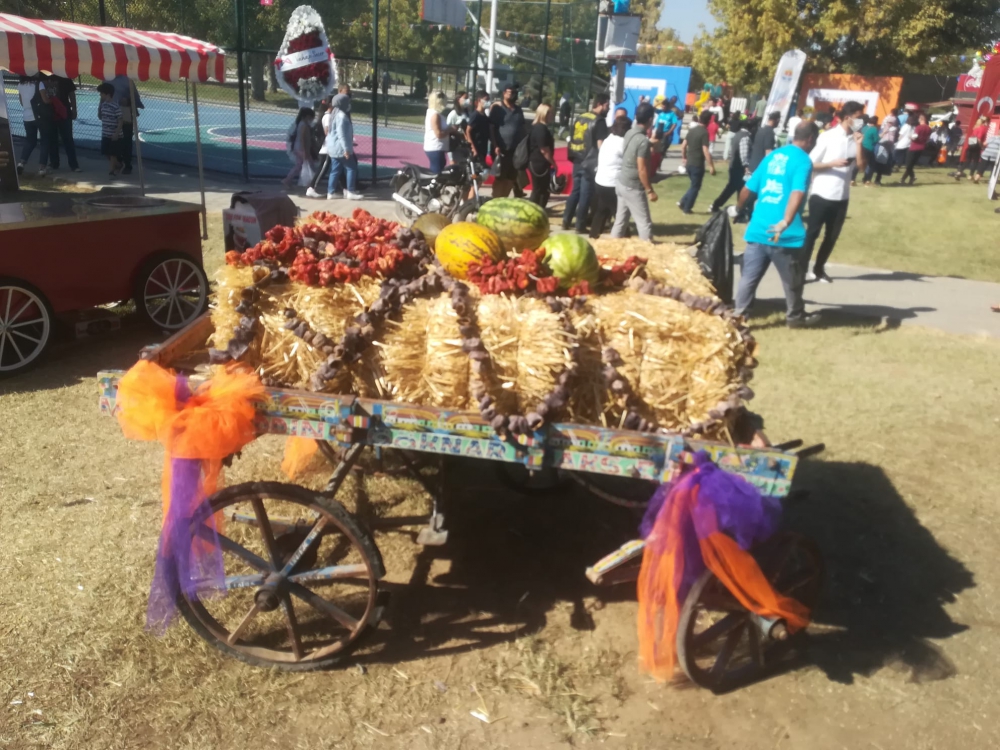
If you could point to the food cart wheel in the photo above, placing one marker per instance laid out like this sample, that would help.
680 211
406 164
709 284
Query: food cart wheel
301 574
171 291
25 325
720 644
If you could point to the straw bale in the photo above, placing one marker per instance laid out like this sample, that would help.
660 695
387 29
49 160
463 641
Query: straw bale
668 263
228 282
680 362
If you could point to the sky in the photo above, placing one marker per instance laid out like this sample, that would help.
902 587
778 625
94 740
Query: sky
685 16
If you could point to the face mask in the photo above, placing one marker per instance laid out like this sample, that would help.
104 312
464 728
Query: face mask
856 124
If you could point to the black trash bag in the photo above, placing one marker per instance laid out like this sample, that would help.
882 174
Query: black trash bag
715 254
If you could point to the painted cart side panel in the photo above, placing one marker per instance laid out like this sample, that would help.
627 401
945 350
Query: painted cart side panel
597 450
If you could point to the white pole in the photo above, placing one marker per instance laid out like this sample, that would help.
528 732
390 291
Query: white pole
138 140
201 168
493 46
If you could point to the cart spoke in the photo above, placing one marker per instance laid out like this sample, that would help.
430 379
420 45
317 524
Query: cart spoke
717 629
308 542
322 605
159 284
235 635
3 344
228 545
264 524
799 583
22 324
293 626
728 648
177 275
340 573
181 286
17 315
10 296
26 336
159 296
16 347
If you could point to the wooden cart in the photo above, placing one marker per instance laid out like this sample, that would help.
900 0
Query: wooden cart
303 574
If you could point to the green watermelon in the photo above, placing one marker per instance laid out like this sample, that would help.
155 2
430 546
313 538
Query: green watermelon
572 259
520 224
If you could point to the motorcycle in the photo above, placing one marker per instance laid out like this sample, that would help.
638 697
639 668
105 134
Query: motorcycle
418 191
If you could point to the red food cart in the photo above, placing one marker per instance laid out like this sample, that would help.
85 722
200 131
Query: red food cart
60 253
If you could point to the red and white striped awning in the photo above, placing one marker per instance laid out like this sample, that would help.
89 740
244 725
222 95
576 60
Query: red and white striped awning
30 46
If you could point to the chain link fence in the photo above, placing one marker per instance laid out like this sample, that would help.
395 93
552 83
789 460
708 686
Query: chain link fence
546 47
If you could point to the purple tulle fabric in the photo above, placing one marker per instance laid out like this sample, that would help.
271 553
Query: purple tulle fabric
726 502
183 564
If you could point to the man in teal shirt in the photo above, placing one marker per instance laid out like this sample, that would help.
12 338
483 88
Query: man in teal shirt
869 142
776 233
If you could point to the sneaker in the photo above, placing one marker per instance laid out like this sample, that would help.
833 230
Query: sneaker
807 321
77 169
310 193
42 171
810 277
20 167
332 196
823 278
353 196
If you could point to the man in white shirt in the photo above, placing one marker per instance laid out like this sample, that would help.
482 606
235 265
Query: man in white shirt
834 157
26 88
793 122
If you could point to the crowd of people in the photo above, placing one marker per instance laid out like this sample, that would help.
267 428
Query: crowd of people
49 109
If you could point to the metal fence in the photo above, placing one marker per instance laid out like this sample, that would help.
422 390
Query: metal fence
545 46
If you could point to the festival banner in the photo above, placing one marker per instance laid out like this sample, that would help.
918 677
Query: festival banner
786 78
986 99
8 162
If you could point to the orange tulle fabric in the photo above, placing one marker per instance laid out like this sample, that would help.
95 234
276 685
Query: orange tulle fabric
663 569
298 453
216 421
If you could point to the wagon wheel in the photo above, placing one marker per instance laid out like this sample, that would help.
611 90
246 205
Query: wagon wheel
721 645
301 576
410 189
171 291
25 325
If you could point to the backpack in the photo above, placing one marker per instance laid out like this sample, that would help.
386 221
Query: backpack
522 154
578 146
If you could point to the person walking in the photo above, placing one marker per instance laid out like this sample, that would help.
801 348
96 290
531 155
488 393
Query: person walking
300 147
458 119
565 112
664 128
123 97
973 149
869 142
340 148
713 132
477 131
64 91
27 87
541 154
326 105
634 190
793 122
696 155
609 167
833 159
918 142
903 141
43 107
436 131
885 156
776 233
739 164
987 159
507 129
765 141
586 136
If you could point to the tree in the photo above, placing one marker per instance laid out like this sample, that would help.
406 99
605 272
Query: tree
889 37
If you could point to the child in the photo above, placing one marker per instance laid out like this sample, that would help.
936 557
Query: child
713 132
110 115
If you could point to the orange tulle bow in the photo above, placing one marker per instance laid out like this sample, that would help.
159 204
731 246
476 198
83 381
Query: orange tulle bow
686 538
215 421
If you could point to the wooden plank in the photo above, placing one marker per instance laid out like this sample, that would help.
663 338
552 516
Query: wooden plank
182 343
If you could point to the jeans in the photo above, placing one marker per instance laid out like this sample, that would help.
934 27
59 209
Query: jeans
436 161
791 264
350 166
911 162
580 198
607 206
64 133
733 187
632 201
828 214
30 140
128 131
696 175
48 143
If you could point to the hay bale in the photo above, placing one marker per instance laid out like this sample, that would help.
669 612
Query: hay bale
680 362
668 263
229 281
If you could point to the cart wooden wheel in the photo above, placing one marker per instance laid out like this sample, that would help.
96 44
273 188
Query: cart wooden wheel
301 575
171 291
721 645
25 325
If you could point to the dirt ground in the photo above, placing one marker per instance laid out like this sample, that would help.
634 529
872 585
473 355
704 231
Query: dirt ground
501 619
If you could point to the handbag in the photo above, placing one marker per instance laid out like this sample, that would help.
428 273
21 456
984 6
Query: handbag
306 175
881 154
521 154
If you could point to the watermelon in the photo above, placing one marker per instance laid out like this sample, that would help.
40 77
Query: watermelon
520 224
431 225
463 243
572 259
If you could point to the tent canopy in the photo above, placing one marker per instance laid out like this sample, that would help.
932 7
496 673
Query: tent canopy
30 46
